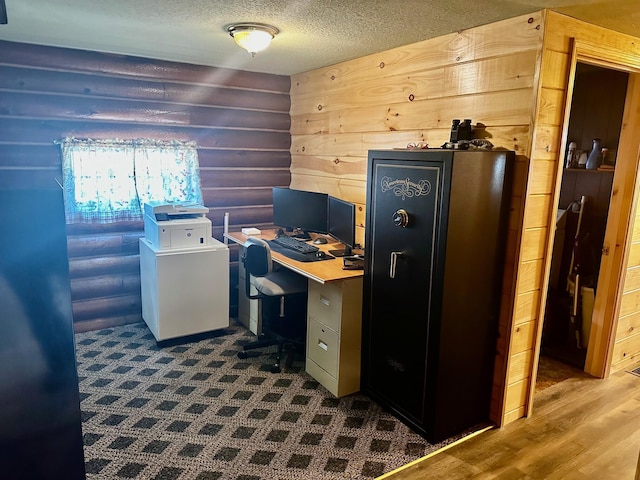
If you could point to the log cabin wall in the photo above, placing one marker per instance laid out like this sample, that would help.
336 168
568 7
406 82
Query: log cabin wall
410 94
240 121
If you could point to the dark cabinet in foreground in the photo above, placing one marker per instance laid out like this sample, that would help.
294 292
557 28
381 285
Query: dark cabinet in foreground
435 241
40 423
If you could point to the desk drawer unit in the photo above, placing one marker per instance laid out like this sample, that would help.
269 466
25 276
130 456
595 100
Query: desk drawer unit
325 303
334 330
322 346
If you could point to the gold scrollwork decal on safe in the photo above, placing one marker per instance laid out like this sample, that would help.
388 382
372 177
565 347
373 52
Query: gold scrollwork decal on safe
404 187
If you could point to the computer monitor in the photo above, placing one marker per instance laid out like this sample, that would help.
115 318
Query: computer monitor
342 225
300 211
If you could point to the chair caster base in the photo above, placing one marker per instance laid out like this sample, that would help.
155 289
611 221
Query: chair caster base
275 369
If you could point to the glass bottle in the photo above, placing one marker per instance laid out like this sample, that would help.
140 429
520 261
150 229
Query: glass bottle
595 156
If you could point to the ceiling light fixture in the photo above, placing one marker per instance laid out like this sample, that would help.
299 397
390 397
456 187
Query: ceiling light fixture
253 37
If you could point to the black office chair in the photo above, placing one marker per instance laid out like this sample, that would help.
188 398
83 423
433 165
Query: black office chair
283 295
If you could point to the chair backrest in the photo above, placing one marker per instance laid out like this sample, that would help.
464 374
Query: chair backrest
257 257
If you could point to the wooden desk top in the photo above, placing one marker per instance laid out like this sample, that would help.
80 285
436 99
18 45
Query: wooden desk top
322 271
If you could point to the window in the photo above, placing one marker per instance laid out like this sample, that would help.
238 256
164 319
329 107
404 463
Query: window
110 180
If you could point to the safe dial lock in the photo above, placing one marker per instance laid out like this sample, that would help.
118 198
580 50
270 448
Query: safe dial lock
400 218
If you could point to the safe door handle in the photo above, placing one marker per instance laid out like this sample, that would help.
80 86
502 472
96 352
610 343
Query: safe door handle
392 266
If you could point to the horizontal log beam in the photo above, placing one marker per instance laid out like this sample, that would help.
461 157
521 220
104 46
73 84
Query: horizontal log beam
219 158
243 216
25 131
94 86
244 177
81 61
103 244
106 307
86 267
34 105
104 228
32 156
81 326
237 196
108 285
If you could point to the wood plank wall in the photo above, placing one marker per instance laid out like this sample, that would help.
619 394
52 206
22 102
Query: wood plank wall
626 345
411 94
561 33
240 121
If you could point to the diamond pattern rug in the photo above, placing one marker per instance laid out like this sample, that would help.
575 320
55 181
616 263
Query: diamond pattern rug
196 411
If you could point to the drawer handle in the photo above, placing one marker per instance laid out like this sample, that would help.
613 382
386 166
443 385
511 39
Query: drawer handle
323 345
325 300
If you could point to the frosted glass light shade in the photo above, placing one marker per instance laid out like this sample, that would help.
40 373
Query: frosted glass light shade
253 37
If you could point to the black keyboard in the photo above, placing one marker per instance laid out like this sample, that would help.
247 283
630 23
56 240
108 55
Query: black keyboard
293 244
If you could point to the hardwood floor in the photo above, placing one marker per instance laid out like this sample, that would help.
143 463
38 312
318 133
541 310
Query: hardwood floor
581 428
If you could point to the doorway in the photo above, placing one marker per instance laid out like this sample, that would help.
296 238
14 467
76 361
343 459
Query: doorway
593 134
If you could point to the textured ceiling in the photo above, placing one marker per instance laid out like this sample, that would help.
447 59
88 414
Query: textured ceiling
313 33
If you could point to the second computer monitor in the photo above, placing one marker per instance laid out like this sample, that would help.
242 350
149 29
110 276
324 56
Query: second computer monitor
300 211
342 225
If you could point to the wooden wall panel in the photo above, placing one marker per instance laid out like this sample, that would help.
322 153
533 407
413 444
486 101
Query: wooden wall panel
502 108
542 177
537 210
437 82
630 303
629 324
632 279
526 307
411 94
560 35
533 244
633 259
356 144
626 352
240 121
522 337
520 365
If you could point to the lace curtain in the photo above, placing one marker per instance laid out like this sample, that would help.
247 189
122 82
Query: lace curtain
109 180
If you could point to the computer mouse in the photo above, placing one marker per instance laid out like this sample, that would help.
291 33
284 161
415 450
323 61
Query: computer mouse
320 241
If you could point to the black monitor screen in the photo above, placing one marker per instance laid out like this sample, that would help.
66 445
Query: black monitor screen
300 210
342 224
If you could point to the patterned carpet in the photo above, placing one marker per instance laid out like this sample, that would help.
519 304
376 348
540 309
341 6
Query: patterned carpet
552 371
195 411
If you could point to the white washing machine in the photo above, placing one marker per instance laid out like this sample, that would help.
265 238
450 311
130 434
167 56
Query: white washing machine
185 291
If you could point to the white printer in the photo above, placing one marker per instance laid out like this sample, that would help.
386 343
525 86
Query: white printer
184 272
169 225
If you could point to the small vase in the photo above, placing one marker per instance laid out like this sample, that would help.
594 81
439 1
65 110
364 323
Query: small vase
595 156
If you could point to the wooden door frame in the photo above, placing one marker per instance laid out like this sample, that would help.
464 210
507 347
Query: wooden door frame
622 206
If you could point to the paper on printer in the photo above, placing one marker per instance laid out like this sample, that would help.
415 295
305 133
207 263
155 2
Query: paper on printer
164 210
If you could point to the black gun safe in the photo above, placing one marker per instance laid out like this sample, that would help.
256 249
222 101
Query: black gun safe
434 254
